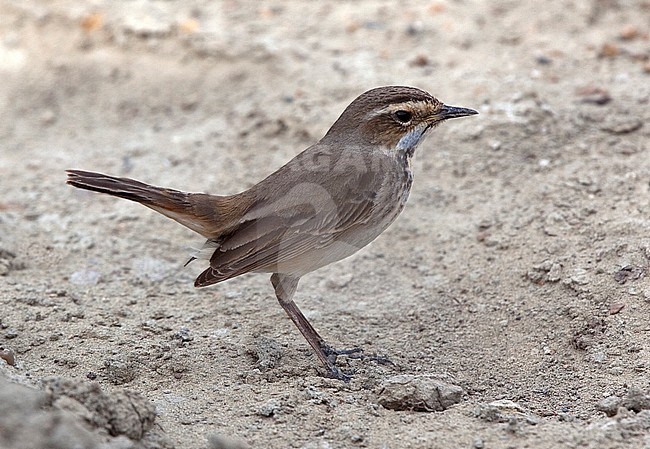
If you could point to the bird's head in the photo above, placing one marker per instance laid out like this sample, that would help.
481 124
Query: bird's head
392 118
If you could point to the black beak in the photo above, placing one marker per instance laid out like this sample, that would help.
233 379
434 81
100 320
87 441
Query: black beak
454 112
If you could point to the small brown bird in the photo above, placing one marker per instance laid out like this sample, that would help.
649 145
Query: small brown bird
322 206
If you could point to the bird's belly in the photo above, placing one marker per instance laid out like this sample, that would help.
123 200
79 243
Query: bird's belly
352 240
320 257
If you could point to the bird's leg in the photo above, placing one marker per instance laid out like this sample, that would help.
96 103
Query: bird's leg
285 286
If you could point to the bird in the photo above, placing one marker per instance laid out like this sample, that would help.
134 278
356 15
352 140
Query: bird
324 205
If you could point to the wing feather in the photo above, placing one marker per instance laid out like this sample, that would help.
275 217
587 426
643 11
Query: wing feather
268 242
287 222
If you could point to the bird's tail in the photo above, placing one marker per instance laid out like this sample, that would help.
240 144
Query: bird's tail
199 212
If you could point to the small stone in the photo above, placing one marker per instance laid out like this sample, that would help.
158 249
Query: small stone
616 308
636 400
504 410
5 267
555 273
151 268
580 276
8 356
609 405
269 408
92 22
268 353
224 442
420 393
420 61
120 369
356 438
629 32
11 334
594 95
183 335
609 50
621 124
189 26
85 277
339 282
48 117
629 273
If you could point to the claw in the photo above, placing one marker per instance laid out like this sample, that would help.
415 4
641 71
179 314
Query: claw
353 353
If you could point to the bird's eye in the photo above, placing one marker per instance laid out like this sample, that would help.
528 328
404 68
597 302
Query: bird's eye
403 116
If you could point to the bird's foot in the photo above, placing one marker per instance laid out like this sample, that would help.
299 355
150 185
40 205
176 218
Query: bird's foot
353 353
336 373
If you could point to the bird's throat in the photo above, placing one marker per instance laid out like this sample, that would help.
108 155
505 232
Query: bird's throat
410 141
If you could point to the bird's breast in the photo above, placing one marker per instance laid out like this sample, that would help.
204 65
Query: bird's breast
402 182
392 196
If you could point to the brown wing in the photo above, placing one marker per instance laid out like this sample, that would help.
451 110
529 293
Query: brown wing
305 218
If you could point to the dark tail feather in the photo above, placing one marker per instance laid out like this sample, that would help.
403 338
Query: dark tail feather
127 188
196 211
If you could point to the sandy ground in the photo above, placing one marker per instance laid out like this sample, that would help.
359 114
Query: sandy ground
517 272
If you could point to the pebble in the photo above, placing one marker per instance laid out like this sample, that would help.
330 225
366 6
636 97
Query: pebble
120 369
339 282
151 268
224 442
11 334
269 408
85 277
635 400
183 335
504 410
420 393
609 405
8 356
268 353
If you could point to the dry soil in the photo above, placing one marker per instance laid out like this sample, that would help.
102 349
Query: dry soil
517 272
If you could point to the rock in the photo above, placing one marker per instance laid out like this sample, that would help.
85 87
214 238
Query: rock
419 393
24 424
151 269
635 424
224 442
609 405
504 410
269 408
121 412
339 282
268 353
85 277
120 369
72 414
8 356
636 400
183 335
